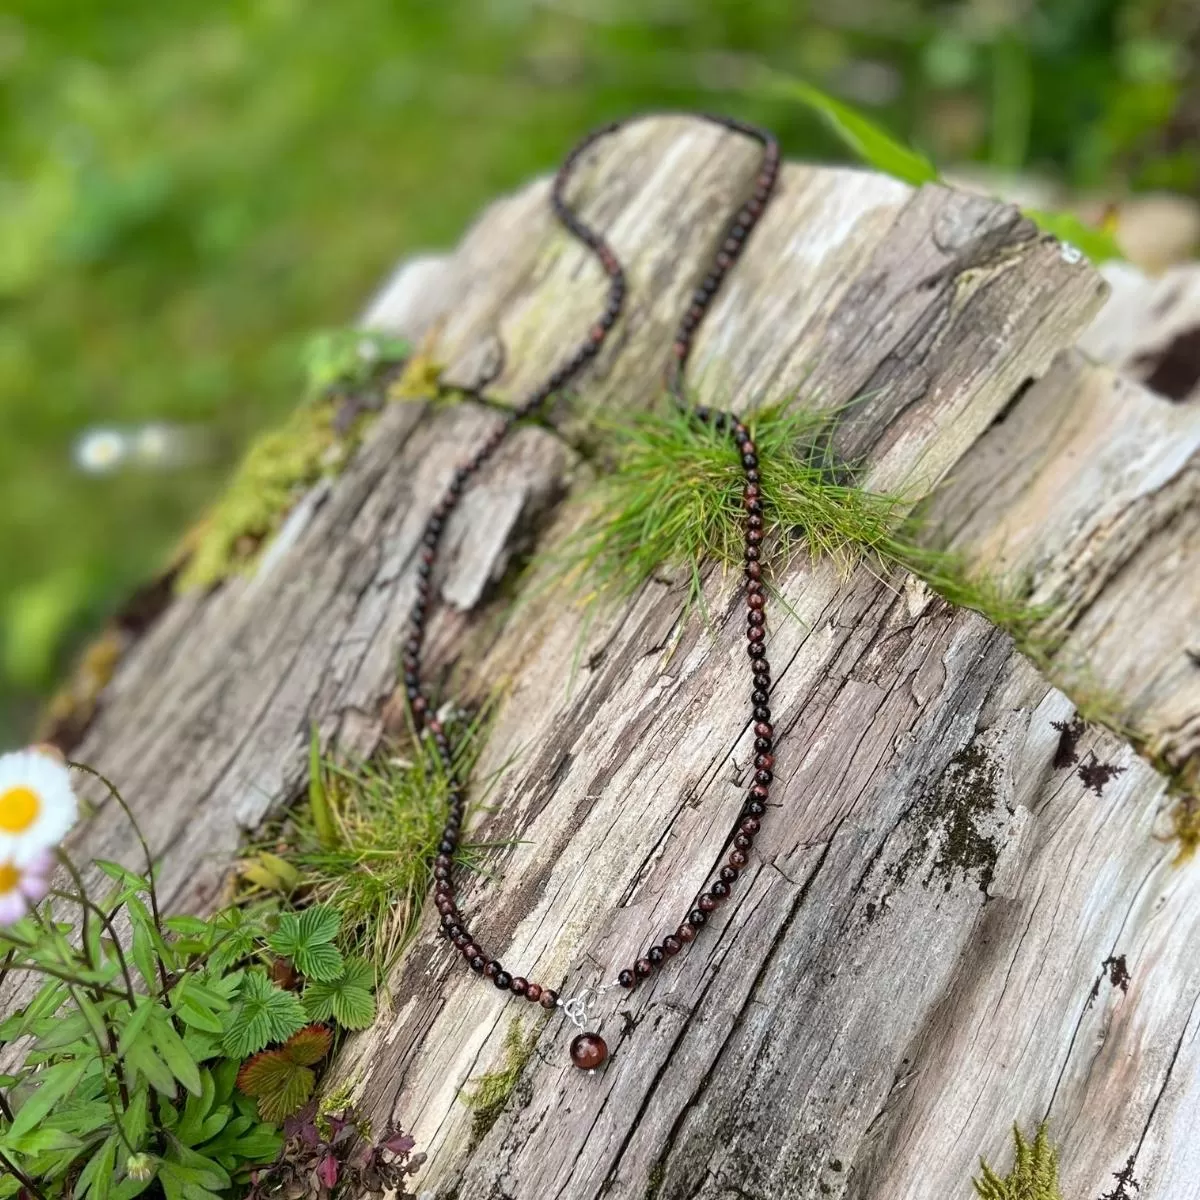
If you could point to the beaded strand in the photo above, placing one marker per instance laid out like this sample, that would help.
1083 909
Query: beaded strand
588 1050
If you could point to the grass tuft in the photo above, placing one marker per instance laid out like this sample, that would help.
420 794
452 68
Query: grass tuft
1034 1174
490 1093
672 501
364 838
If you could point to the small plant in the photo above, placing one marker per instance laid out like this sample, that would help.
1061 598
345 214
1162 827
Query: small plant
328 1153
348 358
363 845
1034 1174
674 501
161 1052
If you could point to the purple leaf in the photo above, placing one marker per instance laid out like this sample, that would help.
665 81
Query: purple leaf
399 1143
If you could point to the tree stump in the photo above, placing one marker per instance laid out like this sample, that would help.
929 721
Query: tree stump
961 914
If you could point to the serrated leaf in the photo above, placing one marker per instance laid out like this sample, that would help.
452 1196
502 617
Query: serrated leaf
322 961
280 1086
349 1000
320 923
263 1014
308 1045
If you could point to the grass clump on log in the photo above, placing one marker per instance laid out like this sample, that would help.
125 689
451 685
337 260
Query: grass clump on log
673 502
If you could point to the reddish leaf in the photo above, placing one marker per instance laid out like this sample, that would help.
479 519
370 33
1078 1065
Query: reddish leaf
399 1143
327 1170
308 1045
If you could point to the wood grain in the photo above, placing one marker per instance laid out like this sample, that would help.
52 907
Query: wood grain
922 950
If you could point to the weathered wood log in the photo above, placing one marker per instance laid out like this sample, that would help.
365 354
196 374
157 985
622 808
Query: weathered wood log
961 914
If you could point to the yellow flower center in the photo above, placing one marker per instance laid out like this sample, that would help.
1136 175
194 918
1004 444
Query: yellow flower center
19 808
9 878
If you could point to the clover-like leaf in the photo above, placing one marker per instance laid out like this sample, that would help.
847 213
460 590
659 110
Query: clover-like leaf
347 999
263 1014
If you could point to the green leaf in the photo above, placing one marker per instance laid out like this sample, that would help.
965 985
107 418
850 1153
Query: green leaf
135 1120
263 1014
39 1141
187 926
148 946
349 1000
197 1007
866 139
142 1058
322 961
54 1083
318 796
132 1029
320 923
174 1053
1098 244
95 1180
130 879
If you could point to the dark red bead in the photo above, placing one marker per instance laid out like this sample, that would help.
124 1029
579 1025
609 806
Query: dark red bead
763 729
671 944
743 842
493 969
750 826
589 1051
519 986
549 998
643 967
706 903
737 858
760 791
756 633
685 933
533 992
754 600
764 762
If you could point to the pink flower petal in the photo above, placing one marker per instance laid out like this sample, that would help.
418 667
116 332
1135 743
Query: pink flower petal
12 907
33 887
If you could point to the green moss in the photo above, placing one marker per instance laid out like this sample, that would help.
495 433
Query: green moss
490 1093
1034 1174
317 439
654 1180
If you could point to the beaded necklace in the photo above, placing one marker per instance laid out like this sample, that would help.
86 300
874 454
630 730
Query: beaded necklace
588 1050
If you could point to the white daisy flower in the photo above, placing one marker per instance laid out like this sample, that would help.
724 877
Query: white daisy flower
22 885
37 804
99 451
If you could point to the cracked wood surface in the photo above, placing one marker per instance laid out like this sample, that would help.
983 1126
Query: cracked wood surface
923 949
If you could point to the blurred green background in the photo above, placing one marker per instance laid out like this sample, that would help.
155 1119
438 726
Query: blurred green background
186 190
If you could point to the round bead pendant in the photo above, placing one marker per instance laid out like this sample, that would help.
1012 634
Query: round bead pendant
589 1051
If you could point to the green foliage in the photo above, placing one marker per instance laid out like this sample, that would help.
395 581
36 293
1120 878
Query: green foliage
345 359
1034 1174
348 999
308 940
132 1049
363 845
865 138
488 1094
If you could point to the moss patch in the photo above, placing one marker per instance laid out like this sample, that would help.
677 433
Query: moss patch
958 822
1034 1174
489 1094
317 439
